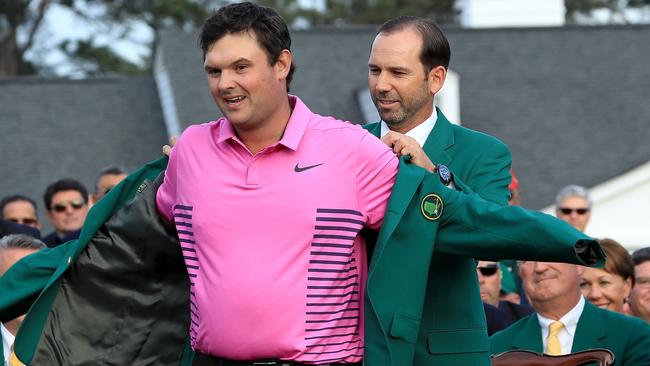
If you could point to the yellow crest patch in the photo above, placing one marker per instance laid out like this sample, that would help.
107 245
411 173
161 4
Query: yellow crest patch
431 206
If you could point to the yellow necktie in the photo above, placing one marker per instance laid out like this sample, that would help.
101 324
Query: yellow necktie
553 347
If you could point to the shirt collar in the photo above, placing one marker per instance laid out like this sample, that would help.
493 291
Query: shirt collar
420 132
7 341
570 319
293 132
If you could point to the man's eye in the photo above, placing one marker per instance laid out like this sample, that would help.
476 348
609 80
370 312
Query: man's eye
213 72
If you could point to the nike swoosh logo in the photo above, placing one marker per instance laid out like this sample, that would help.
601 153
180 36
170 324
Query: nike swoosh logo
299 169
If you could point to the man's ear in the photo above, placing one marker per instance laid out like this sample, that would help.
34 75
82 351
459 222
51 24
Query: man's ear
436 79
283 64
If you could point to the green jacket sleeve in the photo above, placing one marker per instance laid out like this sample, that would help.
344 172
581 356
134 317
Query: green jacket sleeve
490 175
474 227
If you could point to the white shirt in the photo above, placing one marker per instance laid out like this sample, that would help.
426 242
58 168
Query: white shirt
420 132
566 334
7 341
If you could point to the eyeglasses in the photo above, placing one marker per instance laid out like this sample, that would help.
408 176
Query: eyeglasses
488 270
567 210
25 221
62 206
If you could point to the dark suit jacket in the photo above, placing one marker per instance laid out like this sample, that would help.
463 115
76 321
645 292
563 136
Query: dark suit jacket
53 240
627 337
496 319
8 228
514 312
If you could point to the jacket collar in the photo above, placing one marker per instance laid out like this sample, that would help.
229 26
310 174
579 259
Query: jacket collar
406 183
530 336
590 332
440 140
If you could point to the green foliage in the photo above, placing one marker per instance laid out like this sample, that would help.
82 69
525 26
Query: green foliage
96 60
157 13
87 55
378 11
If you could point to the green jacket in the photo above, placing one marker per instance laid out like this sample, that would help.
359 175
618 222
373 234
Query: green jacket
627 337
453 330
119 295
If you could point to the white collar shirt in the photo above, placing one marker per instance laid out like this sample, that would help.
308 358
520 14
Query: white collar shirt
7 341
566 334
420 132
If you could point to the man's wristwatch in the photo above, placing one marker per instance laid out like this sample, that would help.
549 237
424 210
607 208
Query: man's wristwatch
445 175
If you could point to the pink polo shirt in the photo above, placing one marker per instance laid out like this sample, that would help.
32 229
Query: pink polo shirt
271 241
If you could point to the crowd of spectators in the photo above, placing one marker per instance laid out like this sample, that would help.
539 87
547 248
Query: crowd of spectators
66 203
520 297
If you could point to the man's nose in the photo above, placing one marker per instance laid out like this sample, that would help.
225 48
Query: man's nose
383 83
540 267
226 81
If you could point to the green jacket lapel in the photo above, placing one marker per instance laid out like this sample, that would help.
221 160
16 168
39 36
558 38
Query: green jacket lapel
590 332
374 128
530 336
440 139
406 183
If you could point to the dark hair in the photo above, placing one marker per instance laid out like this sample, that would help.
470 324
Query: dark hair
111 170
641 256
15 198
618 259
435 47
270 30
65 184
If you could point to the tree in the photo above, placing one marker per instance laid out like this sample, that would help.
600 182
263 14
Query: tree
14 14
378 11
26 16
20 21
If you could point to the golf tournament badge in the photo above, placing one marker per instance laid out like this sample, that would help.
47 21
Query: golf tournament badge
431 207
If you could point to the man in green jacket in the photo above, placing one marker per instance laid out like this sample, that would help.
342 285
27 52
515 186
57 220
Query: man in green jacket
407 67
565 323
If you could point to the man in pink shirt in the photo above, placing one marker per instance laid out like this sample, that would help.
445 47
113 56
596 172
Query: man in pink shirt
268 203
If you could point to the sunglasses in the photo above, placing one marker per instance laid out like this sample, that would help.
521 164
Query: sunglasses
488 270
568 211
25 221
62 206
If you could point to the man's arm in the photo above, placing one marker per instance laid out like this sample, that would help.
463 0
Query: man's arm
474 227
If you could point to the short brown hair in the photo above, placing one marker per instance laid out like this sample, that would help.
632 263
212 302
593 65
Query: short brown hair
619 260
435 47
